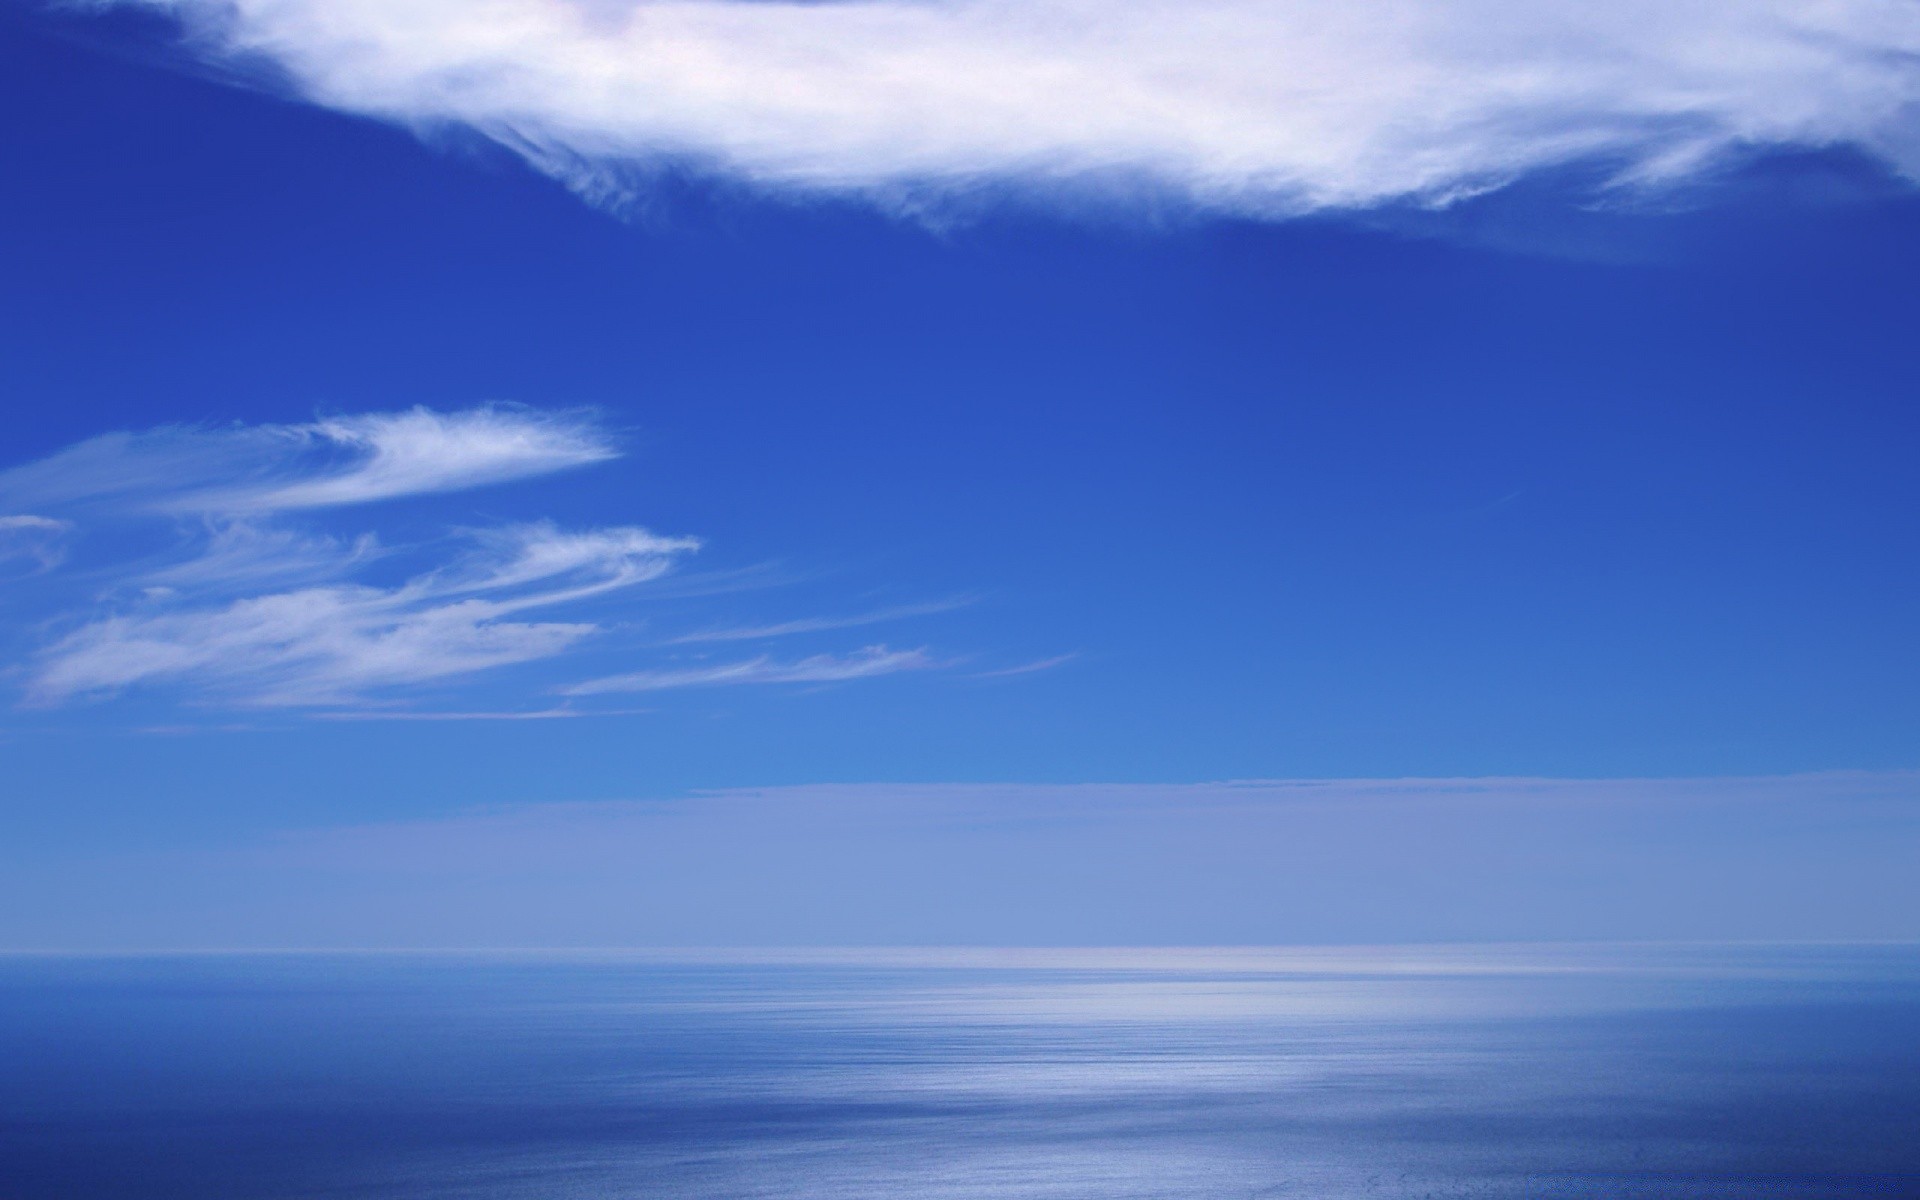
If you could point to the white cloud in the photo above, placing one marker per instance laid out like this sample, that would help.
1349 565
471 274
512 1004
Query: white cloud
246 554
1251 106
541 714
420 451
334 644
818 668
778 629
1027 668
26 524
31 537
259 469
221 583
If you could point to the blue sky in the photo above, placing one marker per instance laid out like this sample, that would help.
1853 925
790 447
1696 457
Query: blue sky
408 418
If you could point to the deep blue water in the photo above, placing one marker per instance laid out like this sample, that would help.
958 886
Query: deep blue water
1496 1072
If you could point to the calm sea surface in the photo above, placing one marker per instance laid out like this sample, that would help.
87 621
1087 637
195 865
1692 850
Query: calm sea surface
1496 1072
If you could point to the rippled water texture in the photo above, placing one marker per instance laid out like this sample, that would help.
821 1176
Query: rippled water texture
1504 1072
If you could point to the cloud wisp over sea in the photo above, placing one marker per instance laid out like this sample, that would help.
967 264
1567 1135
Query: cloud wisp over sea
1250 107
208 571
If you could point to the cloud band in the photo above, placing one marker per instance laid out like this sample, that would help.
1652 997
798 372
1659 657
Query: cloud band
1247 106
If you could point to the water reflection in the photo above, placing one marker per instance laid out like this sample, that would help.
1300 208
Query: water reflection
1322 1073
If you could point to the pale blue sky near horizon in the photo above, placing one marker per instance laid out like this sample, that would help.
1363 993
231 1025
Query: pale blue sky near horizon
398 434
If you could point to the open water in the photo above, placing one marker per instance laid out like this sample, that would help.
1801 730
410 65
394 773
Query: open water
1496 1072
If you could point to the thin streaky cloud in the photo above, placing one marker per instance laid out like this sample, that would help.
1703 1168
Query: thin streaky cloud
332 645
421 451
748 633
37 538
248 555
543 714
26 522
255 470
1030 668
228 589
818 668
1257 107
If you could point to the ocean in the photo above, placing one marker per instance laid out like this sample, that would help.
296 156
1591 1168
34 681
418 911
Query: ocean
1516 1072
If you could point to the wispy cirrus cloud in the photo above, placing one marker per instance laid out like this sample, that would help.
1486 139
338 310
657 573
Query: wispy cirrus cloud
336 643
1257 107
780 629
33 538
226 578
252 470
817 668
1027 668
534 714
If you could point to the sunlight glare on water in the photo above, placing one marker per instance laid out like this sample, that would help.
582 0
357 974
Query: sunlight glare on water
1315 1073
